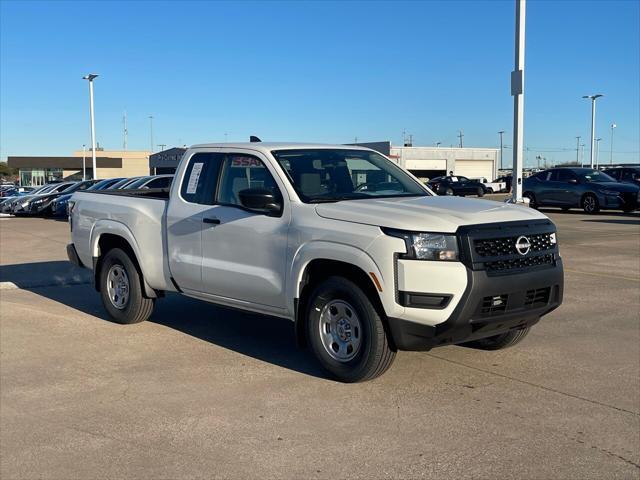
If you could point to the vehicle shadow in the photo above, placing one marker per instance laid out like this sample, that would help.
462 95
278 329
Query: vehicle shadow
269 339
612 213
631 221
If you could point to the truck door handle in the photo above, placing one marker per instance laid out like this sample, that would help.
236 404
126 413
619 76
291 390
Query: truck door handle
213 220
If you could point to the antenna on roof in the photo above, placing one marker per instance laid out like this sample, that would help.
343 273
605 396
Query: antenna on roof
254 139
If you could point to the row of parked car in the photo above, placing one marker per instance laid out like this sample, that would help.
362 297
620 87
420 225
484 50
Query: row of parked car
52 199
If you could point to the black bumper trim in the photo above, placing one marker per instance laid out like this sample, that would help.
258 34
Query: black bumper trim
467 322
73 255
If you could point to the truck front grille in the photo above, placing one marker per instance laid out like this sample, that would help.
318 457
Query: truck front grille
494 247
519 263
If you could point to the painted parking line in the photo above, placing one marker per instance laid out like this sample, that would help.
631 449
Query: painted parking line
29 285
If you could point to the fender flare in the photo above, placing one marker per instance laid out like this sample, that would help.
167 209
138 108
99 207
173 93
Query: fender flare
326 250
119 229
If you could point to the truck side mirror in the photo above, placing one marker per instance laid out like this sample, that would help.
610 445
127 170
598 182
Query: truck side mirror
261 200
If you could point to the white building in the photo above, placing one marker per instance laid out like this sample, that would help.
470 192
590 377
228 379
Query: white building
430 162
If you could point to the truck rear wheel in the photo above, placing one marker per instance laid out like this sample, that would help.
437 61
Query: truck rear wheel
498 342
346 332
121 289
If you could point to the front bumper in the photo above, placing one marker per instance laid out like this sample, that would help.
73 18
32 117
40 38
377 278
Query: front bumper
521 299
72 254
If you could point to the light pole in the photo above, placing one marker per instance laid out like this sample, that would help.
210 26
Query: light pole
438 144
501 132
517 91
613 125
593 99
84 162
597 151
578 150
151 132
91 77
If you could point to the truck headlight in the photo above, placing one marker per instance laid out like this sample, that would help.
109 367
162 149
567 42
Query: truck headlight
427 246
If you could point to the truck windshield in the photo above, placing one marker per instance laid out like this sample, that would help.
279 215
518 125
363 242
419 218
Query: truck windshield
331 175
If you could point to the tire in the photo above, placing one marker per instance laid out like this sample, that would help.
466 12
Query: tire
346 333
489 190
498 342
449 192
532 199
121 289
590 204
480 192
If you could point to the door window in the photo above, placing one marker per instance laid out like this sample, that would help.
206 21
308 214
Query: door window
240 172
199 181
629 175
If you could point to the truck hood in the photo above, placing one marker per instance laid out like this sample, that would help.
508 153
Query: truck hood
435 214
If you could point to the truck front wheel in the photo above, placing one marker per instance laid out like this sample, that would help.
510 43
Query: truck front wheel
498 342
346 333
121 289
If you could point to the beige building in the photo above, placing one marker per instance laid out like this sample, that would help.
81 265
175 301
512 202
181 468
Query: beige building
34 171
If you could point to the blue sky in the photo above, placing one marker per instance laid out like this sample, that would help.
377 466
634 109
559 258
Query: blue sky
316 71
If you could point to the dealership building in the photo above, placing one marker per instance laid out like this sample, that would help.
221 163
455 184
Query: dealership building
34 171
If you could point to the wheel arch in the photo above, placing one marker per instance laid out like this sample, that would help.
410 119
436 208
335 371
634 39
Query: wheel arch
317 270
106 238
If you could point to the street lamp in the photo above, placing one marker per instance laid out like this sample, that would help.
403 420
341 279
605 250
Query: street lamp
593 99
84 162
501 132
438 144
613 125
597 151
91 77
151 132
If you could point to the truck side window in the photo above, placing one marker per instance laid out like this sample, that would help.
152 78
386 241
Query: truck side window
239 172
199 181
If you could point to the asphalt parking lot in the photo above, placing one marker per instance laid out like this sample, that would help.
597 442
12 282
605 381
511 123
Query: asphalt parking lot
200 391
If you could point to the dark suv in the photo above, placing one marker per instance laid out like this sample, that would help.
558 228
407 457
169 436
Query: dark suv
584 188
625 174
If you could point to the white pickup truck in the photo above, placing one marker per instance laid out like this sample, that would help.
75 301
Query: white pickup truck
360 255
492 187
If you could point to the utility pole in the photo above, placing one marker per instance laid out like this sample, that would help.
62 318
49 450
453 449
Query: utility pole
125 132
517 91
162 145
151 132
582 154
597 151
84 161
460 135
593 99
613 125
91 77
578 149
501 132
438 144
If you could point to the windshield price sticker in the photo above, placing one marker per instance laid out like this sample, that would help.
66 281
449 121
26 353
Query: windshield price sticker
192 186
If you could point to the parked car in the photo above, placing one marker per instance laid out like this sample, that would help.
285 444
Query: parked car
124 183
284 230
625 174
8 205
584 188
14 190
59 205
28 205
152 181
41 205
456 185
496 186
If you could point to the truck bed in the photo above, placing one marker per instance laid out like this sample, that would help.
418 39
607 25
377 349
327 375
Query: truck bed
136 215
